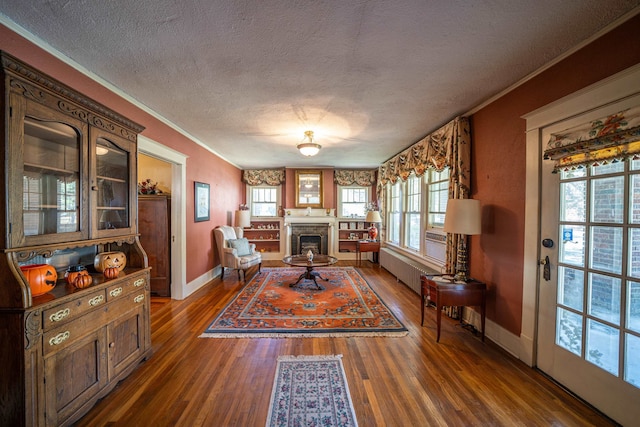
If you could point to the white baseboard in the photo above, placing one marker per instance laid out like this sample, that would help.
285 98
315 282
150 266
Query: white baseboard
199 282
513 344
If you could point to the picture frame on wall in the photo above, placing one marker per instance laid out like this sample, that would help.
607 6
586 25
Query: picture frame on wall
202 201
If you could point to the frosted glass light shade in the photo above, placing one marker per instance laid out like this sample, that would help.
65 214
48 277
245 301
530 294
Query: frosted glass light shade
309 149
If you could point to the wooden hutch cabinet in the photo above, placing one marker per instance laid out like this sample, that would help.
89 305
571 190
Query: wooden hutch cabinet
70 194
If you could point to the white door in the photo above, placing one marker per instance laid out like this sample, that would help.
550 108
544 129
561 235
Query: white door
589 302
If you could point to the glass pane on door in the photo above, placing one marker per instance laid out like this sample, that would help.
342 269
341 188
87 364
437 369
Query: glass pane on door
602 346
569 331
631 360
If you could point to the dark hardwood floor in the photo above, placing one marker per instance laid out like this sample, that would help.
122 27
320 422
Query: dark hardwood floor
408 381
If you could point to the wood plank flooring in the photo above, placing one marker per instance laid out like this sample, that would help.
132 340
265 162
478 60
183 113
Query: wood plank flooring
408 381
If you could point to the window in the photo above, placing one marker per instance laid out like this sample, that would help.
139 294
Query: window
395 208
415 215
352 201
264 200
412 213
437 194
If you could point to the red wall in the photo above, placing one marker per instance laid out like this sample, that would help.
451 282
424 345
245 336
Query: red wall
202 165
498 163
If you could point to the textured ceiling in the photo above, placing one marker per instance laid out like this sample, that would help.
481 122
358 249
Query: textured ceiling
370 78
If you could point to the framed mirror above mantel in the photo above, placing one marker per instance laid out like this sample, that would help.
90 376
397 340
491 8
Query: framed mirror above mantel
309 192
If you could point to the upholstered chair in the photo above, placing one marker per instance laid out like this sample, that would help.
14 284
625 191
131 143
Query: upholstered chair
235 251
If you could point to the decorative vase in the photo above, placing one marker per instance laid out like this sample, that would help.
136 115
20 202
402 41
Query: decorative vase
310 256
373 232
41 278
105 260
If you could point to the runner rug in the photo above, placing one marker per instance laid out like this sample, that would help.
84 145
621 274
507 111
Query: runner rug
268 307
310 391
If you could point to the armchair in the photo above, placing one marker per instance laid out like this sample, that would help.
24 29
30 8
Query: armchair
235 251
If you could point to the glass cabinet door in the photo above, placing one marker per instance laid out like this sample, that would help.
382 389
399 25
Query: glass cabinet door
112 185
49 164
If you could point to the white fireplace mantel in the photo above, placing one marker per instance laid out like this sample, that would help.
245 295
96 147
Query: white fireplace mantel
330 220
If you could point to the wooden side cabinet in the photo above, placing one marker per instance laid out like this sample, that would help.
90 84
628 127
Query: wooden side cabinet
445 292
367 246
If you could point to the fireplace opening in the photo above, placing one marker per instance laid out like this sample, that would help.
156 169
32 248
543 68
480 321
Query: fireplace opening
310 242
314 237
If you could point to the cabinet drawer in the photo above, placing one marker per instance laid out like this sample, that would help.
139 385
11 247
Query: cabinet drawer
126 286
65 335
127 302
69 311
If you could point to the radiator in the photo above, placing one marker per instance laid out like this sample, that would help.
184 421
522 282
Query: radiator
404 268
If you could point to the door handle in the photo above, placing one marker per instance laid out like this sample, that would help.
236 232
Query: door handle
546 271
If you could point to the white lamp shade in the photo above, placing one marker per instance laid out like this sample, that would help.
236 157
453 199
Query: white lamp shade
243 219
373 216
463 217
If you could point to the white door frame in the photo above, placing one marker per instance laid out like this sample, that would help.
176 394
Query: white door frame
178 162
617 87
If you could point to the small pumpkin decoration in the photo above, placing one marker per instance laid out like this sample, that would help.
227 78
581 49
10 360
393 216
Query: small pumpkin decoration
83 281
74 271
110 259
111 272
41 278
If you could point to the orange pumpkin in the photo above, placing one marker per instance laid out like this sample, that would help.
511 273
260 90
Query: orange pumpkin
74 271
83 281
110 259
41 278
111 272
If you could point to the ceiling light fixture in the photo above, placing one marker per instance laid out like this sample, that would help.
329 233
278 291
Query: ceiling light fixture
307 147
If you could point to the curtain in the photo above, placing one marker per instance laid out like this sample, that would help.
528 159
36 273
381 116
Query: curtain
608 139
354 177
263 176
449 146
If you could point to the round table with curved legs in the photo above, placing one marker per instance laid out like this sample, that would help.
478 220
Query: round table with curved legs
310 274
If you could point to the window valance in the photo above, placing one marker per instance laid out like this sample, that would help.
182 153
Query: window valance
263 176
448 146
354 177
608 139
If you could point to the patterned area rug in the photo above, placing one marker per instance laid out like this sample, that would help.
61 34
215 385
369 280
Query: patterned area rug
268 307
310 391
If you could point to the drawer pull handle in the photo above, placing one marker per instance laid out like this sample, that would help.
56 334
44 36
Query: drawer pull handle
59 315
139 282
96 300
139 298
60 338
115 292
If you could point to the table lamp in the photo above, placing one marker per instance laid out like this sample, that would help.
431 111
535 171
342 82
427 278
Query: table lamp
243 218
463 217
373 217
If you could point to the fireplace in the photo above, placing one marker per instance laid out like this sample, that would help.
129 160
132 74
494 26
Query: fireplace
305 237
